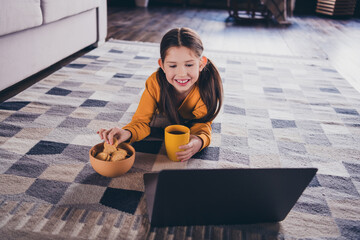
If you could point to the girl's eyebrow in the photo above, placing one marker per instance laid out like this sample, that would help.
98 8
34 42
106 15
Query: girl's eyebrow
177 62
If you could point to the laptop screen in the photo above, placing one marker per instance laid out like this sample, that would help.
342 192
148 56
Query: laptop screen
223 196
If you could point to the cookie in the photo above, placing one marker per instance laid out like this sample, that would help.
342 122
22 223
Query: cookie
108 148
103 156
118 155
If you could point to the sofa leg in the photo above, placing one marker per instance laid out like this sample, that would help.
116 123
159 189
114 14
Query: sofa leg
98 44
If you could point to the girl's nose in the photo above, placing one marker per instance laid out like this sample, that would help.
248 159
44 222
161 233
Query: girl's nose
181 71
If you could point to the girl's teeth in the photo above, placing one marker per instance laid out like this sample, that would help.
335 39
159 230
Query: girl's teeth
182 81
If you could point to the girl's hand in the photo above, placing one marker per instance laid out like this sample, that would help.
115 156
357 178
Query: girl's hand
190 149
108 135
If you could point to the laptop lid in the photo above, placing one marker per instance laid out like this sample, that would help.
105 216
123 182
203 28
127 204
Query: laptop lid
223 196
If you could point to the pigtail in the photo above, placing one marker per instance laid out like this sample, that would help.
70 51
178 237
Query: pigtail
211 91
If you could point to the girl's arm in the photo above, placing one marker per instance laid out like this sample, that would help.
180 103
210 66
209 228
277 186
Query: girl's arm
203 131
200 136
139 125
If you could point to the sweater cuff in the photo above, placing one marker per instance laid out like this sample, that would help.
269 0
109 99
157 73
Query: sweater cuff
133 137
205 139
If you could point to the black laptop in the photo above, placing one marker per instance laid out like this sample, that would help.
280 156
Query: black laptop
223 196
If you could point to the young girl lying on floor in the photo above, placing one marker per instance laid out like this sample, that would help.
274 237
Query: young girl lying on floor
186 89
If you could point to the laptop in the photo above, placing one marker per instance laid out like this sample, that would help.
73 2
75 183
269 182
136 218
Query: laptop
223 196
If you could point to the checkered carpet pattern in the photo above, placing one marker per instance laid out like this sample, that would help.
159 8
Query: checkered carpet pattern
278 112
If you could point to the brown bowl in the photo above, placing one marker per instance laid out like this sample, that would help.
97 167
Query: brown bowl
112 169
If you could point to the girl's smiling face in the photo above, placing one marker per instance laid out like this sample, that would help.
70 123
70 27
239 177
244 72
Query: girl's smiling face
182 68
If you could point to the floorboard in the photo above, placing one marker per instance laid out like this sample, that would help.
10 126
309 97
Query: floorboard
314 36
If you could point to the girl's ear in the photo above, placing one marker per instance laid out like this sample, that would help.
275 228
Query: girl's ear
203 62
161 64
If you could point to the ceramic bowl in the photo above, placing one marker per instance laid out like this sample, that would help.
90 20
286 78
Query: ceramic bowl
112 169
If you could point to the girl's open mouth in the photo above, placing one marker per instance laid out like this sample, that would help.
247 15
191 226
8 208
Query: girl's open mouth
182 82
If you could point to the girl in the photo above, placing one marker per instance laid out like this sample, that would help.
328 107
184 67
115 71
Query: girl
186 89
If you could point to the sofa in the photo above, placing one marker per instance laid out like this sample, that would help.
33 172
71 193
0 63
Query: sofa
35 34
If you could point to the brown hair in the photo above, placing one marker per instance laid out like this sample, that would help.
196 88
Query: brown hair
209 82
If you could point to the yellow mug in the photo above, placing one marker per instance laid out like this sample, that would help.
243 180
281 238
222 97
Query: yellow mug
175 136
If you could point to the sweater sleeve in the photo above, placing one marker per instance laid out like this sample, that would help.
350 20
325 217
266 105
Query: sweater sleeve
139 125
202 130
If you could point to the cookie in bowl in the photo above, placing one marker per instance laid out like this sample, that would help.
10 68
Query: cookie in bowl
112 160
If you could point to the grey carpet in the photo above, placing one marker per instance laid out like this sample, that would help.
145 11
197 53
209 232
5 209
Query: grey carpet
278 112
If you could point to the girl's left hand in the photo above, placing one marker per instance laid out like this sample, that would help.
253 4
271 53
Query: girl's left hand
190 149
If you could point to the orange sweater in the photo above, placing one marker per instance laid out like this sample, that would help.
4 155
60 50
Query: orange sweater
191 108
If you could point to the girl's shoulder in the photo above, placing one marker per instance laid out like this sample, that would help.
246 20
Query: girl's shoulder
152 85
152 81
152 78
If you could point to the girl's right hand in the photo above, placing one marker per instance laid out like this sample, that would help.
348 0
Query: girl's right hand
108 136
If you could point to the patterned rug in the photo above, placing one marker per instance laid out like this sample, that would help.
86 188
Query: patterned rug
278 112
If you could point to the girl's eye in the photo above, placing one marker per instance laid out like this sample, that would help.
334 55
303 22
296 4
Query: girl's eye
172 66
189 65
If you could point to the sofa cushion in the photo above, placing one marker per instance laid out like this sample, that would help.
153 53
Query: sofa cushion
17 15
57 9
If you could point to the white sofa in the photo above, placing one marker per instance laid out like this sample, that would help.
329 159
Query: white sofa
35 34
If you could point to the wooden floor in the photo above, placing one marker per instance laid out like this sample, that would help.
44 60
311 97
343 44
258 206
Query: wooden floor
307 36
